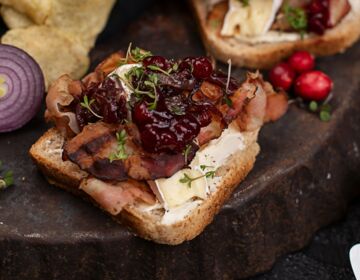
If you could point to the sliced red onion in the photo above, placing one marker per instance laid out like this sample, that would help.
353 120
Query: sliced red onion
21 88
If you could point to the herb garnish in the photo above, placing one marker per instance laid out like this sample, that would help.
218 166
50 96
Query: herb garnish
156 68
6 180
151 83
297 18
135 55
121 153
188 180
324 110
186 152
87 104
245 3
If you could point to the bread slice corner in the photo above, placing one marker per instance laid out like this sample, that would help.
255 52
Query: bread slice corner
266 55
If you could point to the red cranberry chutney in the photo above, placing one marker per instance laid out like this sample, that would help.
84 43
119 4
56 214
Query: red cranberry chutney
162 103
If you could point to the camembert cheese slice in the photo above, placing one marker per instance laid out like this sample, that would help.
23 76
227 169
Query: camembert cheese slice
252 18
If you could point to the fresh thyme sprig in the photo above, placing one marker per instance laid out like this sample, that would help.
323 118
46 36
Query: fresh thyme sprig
120 153
6 180
297 18
188 180
134 55
156 68
186 152
87 104
324 110
245 3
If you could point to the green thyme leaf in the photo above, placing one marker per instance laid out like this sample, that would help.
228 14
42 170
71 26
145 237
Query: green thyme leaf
186 152
203 167
120 153
87 105
297 18
227 101
210 174
177 110
138 54
313 106
9 178
325 116
188 180
245 3
156 68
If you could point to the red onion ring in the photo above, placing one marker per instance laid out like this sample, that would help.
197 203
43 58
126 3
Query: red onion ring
23 82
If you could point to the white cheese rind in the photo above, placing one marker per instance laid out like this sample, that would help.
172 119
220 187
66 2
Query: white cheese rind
121 71
253 19
213 155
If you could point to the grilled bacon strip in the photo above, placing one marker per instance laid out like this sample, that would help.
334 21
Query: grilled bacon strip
91 150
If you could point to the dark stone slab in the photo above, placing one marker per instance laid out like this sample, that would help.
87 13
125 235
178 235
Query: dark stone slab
304 179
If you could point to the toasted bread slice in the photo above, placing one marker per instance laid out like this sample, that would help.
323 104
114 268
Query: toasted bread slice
47 154
265 55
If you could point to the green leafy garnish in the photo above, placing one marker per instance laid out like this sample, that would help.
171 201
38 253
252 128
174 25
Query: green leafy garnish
313 106
177 110
203 167
186 152
134 55
87 104
156 68
6 180
245 3
188 180
325 116
138 54
297 18
120 153
227 101
324 110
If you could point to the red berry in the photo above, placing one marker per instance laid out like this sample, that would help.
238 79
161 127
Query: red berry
301 61
282 76
313 85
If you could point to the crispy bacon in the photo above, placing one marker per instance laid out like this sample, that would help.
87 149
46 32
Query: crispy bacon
92 148
61 94
112 197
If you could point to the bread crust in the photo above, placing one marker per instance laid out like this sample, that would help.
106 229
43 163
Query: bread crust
265 55
46 153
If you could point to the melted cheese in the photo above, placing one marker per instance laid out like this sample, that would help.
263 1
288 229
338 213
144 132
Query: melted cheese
173 194
253 19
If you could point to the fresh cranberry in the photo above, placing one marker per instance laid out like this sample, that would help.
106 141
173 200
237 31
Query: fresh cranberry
302 61
158 61
313 85
282 76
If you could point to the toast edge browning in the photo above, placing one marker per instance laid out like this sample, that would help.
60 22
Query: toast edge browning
265 55
67 176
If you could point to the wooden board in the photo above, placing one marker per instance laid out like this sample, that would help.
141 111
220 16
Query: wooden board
304 178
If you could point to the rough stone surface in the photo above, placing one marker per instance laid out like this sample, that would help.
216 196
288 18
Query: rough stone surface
304 179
